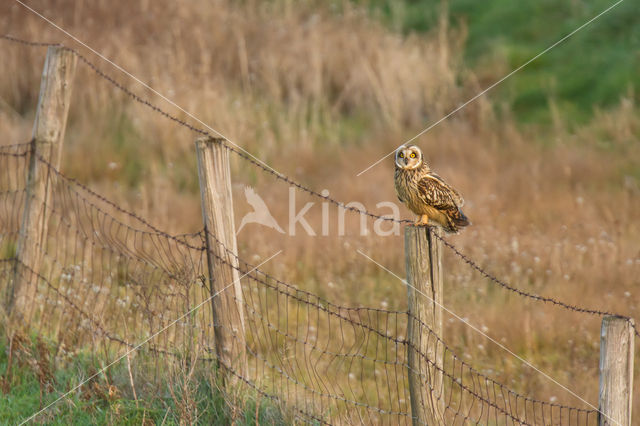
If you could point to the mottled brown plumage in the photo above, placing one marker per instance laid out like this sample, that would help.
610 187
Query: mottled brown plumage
425 193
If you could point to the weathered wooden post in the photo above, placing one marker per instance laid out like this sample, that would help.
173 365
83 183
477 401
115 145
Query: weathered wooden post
616 371
48 136
423 252
217 213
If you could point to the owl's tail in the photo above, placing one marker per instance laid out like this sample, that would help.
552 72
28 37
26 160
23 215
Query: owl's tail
456 220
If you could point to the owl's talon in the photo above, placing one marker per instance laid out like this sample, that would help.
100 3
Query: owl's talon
422 221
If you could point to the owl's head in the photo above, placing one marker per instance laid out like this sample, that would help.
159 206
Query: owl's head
408 157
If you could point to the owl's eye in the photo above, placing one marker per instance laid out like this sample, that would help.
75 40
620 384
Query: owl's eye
413 155
401 155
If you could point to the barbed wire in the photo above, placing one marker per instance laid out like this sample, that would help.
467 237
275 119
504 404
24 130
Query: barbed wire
295 184
101 331
471 391
203 132
230 148
320 305
480 388
477 395
138 218
322 302
312 192
528 295
229 252
17 145
28 42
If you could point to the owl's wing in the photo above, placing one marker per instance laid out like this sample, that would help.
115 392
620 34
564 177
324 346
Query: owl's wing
437 193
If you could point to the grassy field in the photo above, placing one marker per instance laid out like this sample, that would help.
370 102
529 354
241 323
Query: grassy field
129 393
591 70
548 164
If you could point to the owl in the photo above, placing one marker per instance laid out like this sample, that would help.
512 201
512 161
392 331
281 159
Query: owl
425 193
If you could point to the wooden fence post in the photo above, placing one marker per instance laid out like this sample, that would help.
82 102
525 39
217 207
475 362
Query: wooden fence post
423 253
616 371
48 136
217 213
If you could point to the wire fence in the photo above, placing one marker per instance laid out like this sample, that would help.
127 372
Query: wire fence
107 274
104 273
241 153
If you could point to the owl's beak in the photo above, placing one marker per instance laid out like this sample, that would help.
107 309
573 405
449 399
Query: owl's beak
406 160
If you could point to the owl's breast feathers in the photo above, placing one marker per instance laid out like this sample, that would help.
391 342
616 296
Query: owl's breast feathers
426 193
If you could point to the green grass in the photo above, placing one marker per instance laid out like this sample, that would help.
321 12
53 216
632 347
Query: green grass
595 67
37 378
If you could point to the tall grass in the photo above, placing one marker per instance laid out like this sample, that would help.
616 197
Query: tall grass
320 92
593 68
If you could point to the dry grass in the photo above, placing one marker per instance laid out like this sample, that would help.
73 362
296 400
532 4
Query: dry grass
320 93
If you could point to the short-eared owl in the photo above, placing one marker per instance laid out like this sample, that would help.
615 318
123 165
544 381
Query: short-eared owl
425 193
